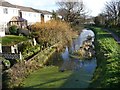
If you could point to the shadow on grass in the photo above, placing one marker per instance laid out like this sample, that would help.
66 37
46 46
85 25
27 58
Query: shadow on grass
34 86
75 80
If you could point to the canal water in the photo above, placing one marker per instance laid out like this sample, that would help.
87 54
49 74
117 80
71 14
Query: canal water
77 64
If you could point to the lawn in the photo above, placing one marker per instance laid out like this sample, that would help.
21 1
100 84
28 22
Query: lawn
51 77
12 39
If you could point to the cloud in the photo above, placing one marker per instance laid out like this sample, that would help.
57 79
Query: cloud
96 6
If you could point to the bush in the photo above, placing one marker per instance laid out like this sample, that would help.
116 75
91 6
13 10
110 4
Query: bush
6 63
52 32
13 30
28 49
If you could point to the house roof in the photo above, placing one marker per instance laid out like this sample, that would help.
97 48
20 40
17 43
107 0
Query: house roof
43 11
17 18
23 8
6 4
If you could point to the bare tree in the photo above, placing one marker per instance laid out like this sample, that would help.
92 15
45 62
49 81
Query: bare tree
71 10
112 10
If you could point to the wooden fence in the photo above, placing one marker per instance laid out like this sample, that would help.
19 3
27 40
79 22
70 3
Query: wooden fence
11 55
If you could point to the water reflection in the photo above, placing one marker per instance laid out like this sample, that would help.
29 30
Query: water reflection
76 64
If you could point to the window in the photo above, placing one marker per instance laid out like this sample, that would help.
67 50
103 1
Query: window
5 10
29 14
13 11
34 15
24 13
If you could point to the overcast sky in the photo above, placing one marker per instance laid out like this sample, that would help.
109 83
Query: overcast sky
94 6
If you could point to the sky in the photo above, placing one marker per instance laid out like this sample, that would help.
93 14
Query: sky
93 6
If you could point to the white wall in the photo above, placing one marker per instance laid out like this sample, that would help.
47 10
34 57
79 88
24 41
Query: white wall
47 17
2 34
31 17
5 18
2 30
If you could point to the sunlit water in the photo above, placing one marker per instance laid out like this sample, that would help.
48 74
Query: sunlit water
76 64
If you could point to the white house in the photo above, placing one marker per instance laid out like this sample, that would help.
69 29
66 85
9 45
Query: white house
7 11
45 16
31 15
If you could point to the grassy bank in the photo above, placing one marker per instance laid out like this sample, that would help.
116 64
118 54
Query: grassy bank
107 74
48 77
51 77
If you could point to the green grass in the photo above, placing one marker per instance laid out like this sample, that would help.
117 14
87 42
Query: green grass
51 77
48 77
107 75
12 39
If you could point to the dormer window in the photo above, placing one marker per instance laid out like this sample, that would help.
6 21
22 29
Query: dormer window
5 10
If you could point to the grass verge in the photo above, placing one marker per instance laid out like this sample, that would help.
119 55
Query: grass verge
107 74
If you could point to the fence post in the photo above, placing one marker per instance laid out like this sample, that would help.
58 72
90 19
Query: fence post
0 46
20 56
34 42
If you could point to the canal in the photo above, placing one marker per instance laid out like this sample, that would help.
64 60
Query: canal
68 72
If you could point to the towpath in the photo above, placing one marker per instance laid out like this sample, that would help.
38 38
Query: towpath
114 35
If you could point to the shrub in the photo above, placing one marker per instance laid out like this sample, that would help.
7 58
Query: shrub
13 30
6 63
52 32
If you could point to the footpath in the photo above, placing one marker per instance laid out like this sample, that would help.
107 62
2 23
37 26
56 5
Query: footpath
114 35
